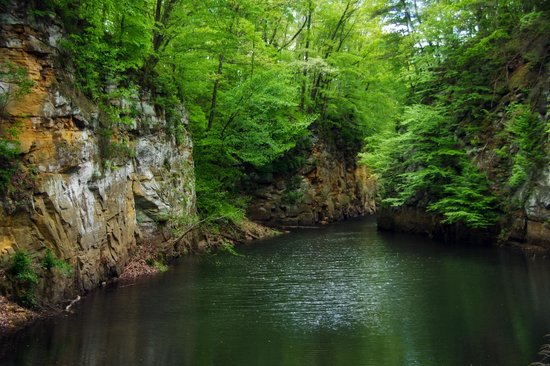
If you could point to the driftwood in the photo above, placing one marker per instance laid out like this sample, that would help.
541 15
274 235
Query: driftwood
72 303
194 226
252 235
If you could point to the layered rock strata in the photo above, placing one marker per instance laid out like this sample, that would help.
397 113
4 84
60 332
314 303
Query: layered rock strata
331 186
87 207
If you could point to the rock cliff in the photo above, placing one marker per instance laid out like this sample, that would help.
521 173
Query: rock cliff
531 225
330 186
84 194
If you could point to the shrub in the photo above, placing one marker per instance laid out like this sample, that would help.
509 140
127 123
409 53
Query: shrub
22 275
528 136
50 261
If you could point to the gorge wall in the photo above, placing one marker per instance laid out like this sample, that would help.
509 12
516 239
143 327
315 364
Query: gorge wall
524 208
527 228
82 190
330 186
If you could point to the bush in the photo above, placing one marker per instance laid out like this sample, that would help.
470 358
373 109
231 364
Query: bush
528 136
24 278
50 261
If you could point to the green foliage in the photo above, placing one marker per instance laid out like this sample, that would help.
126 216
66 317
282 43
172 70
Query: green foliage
15 84
261 124
259 78
467 199
425 164
215 201
467 58
258 124
24 278
23 274
268 86
158 265
9 153
50 261
256 77
115 151
228 247
528 137
108 40
292 196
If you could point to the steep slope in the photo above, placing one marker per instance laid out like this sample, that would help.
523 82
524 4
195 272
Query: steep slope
473 164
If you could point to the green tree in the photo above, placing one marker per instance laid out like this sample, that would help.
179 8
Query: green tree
459 85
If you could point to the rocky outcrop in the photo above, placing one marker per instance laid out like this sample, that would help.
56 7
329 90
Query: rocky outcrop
330 186
68 195
527 228
532 225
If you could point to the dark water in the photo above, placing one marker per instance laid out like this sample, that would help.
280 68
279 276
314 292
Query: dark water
340 295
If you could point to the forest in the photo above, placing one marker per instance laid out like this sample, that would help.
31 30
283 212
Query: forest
442 100
138 134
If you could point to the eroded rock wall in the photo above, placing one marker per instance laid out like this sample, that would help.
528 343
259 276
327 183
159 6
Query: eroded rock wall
331 186
67 196
532 225
527 227
525 208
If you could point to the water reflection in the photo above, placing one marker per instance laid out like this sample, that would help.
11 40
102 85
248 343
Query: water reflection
343 295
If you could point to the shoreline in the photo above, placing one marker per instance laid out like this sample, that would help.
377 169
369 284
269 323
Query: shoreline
14 317
142 264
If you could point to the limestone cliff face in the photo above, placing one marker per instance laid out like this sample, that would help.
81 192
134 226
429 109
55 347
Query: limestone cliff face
68 196
331 186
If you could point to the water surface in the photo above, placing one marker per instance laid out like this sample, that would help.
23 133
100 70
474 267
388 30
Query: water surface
340 295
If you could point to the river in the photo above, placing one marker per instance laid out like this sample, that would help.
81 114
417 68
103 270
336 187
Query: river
344 294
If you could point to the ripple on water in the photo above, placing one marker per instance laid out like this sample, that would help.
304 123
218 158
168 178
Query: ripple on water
340 295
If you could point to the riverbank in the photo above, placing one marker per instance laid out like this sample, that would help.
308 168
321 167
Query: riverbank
150 258
344 292
527 236
14 317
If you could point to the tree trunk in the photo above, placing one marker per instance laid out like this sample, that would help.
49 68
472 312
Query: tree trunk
306 59
215 92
